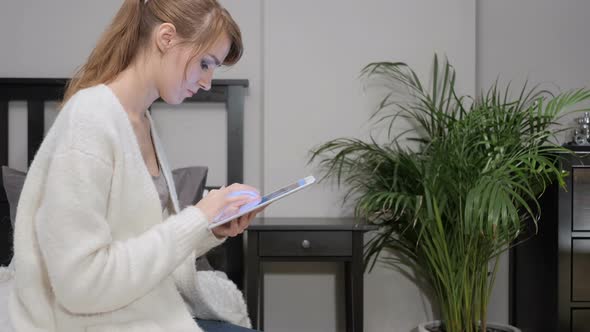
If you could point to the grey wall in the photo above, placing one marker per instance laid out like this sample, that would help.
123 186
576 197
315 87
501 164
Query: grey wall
303 59
544 40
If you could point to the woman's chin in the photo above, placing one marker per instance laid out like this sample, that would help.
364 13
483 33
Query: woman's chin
174 100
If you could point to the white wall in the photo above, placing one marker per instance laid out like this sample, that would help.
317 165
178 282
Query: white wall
542 40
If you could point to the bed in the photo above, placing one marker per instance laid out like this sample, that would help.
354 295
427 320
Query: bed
37 91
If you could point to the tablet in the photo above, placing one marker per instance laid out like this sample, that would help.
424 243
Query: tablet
266 199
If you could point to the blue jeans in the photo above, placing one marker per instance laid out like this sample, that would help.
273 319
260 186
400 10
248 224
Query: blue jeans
217 326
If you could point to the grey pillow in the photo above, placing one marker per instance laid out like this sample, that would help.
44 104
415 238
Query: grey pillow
189 182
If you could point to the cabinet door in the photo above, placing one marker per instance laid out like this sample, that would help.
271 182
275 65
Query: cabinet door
580 320
581 197
581 270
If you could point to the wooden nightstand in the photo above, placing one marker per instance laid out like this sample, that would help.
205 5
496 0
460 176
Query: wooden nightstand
307 239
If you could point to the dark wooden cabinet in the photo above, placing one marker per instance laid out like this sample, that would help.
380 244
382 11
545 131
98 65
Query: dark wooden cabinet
550 271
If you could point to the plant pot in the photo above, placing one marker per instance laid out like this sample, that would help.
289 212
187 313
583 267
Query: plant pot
432 327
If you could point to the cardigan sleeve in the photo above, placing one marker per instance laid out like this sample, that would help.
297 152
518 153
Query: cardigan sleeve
89 271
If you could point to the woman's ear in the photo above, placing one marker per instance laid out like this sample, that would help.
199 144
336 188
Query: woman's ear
165 36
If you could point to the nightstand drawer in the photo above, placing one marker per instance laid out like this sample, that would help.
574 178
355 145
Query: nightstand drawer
305 243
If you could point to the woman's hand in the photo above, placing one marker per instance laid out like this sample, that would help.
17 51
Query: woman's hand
220 200
236 226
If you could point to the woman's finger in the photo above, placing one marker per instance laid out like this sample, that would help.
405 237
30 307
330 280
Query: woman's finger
240 186
235 228
245 222
239 198
241 221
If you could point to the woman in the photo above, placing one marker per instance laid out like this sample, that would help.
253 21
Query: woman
95 249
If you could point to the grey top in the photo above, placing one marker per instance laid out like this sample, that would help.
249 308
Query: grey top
162 188
160 180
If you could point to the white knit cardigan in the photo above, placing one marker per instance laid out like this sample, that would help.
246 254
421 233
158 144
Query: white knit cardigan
92 251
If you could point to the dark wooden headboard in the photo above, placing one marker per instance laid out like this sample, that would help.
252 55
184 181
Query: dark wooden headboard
37 91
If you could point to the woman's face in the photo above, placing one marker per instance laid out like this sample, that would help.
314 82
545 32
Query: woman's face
175 84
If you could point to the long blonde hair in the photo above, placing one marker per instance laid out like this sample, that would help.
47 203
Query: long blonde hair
198 23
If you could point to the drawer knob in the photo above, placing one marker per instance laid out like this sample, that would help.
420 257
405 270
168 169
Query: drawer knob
306 244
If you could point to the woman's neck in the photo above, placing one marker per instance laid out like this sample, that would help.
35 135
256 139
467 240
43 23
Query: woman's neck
135 89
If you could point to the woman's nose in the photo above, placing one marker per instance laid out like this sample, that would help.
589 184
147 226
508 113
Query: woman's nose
205 82
205 85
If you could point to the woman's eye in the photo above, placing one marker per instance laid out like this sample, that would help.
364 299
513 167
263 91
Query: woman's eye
204 66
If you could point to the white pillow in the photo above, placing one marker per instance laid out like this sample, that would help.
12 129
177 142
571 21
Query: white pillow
224 301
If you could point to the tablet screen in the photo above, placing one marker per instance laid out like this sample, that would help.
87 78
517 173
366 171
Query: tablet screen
281 191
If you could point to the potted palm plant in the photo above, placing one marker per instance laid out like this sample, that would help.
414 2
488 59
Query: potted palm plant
453 200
